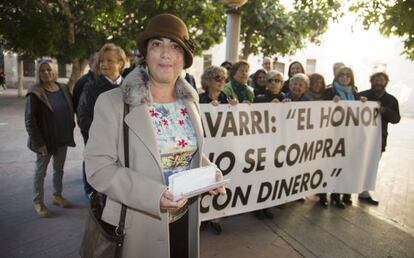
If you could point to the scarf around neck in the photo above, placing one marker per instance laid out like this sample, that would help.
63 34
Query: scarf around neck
345 92
240 90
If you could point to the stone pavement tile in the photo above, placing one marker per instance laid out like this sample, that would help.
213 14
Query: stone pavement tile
342 233
245 236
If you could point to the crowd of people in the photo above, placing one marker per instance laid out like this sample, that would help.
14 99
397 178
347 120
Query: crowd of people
164 128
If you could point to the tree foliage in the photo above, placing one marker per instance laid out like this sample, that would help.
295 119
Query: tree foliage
393 17
71 30
269 28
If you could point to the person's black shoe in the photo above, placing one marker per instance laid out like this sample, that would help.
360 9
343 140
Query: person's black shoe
338 203
347 199
216 227
267 213
368 200
203 225
323 200
259 215
323 203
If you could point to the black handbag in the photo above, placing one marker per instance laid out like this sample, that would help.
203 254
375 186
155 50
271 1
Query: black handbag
100 239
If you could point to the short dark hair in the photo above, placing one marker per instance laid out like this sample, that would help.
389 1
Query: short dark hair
375 75
226 63
236 67
256 76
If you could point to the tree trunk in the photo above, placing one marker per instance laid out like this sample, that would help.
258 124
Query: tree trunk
247 45
20 77
78 66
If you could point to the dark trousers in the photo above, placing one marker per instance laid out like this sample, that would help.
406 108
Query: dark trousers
86 186
337 196
179 238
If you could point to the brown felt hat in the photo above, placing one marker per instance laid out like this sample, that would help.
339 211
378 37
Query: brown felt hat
171 27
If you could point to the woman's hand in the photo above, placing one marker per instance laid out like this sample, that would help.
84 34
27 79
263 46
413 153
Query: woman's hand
233 102
42 150
215 103
363 98
286 100
336 99
167 201
221 189
275 100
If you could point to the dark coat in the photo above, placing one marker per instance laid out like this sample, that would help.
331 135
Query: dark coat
39 118
89 95
268 97
331 92
204 98
285 88
78 88
391 112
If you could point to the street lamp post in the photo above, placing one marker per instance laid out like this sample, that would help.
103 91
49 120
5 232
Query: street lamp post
233 29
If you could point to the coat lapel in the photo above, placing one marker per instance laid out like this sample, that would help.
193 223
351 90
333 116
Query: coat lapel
140 124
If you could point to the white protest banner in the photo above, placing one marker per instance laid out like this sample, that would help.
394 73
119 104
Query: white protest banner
279 152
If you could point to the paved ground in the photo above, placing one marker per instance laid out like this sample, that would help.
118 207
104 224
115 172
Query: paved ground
298 230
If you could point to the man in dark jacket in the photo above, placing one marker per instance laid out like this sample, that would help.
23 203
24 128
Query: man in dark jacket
80 84
389 110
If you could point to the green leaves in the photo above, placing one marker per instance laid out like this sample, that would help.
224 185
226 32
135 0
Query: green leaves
393 17
268 28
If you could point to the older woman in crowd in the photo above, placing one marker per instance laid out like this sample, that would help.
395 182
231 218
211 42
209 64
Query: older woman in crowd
317 87
274 80
109 66
316 92
294 68
298 84
237 88
165 137
212 82
49 123
259 83
343 88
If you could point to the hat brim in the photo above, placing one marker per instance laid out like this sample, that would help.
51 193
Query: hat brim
144 36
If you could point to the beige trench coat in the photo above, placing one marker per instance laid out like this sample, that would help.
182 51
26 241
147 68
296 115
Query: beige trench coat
139 187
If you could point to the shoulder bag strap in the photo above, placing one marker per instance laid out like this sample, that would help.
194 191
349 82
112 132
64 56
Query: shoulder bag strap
121 225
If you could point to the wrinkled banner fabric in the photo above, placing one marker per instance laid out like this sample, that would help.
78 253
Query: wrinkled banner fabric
279 152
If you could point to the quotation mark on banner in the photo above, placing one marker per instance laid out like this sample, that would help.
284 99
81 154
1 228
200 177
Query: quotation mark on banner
291 114
336 172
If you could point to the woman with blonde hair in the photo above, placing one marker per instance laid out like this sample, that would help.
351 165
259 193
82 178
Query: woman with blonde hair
212 82
49 123
109 65
299 84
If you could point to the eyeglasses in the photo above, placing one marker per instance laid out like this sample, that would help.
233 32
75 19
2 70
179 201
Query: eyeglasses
345 75
219 78
274 81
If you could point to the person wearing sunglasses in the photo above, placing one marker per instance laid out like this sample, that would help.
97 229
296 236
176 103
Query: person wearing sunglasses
212 82
343 88
274 81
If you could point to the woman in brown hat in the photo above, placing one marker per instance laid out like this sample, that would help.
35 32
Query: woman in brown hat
165 137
